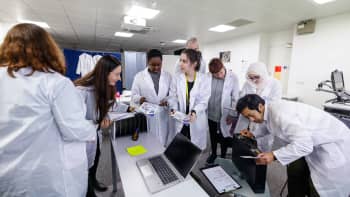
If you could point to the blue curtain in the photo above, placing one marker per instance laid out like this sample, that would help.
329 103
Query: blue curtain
72 58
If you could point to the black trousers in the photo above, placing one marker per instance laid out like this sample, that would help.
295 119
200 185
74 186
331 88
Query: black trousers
299 180
93 171
216 138
186 131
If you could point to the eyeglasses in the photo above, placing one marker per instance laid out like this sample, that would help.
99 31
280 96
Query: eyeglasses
256 77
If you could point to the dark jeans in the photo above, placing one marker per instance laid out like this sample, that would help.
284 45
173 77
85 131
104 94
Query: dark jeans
92 171
186 131
216 138
299 180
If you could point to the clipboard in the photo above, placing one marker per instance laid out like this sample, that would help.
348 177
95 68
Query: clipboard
216 175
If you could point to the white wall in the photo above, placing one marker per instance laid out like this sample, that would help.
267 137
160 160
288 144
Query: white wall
244 50
4 27
269 48
169 62
315 55
279 53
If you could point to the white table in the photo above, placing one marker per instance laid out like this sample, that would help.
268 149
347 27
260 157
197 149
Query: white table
131 178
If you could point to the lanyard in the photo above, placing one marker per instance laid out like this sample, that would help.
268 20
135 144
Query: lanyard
187 92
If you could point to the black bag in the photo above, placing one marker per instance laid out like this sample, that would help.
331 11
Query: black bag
128 126
253 173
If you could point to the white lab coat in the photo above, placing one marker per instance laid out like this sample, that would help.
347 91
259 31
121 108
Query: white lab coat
143 87
319 137
202 68
199 98
271 92
95 59
42 136
85 64
88 97
230 95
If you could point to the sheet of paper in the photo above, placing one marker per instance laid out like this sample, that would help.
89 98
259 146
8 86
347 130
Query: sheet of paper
249 157
115 116
181 117
148 108
166 98
220 179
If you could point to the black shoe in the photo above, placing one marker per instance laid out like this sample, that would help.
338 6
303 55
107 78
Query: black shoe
211 159
99 186
90 190
91 193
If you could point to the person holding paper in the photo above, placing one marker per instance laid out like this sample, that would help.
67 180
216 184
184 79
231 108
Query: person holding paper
316 147
152 85
224 95
97 90
189 94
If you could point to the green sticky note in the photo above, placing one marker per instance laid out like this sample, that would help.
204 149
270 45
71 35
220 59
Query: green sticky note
136 150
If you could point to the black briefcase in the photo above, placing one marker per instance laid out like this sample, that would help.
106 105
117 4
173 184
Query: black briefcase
253 173
128 126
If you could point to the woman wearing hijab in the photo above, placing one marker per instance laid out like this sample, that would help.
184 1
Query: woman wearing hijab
259 82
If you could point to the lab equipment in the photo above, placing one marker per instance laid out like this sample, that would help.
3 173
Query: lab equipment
335 86
339 106
340 111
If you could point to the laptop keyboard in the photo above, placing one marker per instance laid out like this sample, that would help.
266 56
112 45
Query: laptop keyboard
164 172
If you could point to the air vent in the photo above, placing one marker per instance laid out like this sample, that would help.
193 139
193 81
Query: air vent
239 22
306 27
144 30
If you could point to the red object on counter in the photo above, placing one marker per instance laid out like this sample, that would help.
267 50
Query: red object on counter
117 95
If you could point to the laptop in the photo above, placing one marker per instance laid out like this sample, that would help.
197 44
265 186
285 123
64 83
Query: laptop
170 168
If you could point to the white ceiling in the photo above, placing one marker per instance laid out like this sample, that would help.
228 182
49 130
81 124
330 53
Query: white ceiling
91 24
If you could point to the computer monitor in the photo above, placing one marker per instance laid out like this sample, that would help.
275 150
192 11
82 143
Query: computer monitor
337 81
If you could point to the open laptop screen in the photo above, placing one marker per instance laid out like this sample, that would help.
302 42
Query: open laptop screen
183 154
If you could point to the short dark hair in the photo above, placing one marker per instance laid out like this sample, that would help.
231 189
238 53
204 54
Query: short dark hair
193 56
215 65
251 101
154 53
